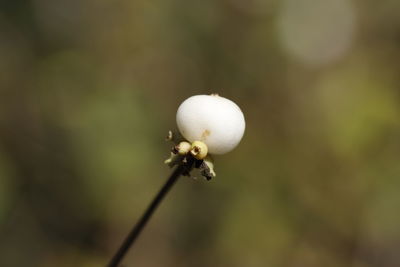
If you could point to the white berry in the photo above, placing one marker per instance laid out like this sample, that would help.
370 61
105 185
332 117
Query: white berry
212 119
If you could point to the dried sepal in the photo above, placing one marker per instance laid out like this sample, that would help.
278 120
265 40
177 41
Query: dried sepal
173 160
169 136
207 168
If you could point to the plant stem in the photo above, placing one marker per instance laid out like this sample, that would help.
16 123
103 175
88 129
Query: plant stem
132 236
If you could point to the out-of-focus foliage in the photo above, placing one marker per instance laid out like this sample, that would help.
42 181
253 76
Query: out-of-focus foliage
89 88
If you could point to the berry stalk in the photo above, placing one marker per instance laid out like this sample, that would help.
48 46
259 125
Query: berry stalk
137 229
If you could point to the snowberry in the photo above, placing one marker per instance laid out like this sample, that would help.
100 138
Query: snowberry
214 120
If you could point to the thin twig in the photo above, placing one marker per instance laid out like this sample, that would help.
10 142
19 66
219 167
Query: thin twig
132 236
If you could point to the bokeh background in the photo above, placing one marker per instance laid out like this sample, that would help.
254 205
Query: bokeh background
89 89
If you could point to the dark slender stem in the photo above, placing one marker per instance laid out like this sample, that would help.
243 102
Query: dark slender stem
132 236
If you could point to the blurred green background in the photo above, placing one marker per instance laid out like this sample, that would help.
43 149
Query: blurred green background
89 89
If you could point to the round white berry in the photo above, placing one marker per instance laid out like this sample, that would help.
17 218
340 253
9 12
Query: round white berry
212 119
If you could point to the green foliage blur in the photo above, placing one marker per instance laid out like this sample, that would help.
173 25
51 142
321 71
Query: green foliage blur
89 89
